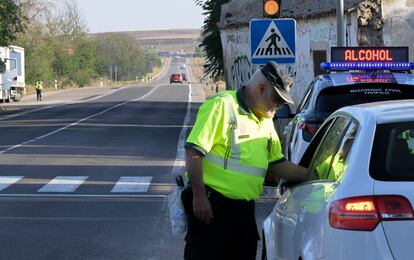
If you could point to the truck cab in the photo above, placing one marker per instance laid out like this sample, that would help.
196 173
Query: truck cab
12 74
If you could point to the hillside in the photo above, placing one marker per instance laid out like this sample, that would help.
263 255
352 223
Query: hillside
169 40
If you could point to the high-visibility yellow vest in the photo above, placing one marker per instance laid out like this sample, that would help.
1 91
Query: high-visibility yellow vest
39 85
336 169
238 146
410 140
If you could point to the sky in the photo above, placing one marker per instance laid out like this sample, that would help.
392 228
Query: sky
137 15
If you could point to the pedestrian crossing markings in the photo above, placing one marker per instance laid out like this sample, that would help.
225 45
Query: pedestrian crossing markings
60 184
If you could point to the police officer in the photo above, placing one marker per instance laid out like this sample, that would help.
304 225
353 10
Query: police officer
408 136
39 88
231 148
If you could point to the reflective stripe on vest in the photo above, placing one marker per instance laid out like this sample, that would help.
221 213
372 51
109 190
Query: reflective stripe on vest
231 160
237 166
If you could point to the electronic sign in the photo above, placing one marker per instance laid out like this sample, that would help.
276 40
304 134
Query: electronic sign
369 54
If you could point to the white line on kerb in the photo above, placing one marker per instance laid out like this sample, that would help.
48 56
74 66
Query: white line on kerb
179 162
75 123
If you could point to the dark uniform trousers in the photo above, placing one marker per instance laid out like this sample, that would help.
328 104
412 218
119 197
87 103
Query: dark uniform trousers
232 234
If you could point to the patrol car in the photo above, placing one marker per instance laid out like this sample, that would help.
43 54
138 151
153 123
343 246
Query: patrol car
356 75
359 205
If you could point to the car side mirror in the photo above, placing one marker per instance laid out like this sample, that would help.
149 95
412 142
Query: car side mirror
284 112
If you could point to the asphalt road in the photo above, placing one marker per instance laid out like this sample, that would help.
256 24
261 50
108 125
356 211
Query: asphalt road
85 173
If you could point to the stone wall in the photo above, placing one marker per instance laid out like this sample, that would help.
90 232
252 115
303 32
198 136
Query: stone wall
237 64
398 29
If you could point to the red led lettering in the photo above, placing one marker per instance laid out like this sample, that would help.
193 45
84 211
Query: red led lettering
361 55
382 55
376 55
367 55
348 55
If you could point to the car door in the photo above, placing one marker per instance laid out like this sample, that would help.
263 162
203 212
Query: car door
291 135
305 205
392 167
280 248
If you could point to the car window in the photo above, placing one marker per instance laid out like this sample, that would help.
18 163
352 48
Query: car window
314 144
392 157
325 154
340 161
333 98
306 100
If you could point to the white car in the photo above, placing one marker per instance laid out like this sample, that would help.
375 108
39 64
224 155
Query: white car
358 201
329 92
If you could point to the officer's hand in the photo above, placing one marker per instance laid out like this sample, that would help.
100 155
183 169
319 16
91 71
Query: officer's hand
202 208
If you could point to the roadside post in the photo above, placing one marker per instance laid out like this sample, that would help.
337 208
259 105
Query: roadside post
101 82
55 84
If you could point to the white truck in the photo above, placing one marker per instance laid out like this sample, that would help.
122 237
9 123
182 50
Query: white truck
12 74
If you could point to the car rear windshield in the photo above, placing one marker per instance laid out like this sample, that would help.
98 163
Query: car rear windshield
392 157
333 98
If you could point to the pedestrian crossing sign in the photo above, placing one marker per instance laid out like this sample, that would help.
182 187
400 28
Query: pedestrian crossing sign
273 40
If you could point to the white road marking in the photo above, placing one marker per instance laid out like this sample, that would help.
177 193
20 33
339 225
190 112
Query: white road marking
76 123
64 184
132 184
6 181
179 164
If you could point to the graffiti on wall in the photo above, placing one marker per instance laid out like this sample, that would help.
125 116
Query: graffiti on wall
323 32
235 38
241 70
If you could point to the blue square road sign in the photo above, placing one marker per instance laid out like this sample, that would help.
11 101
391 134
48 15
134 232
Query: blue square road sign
273 40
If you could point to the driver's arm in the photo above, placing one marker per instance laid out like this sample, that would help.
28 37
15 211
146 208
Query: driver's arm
288 171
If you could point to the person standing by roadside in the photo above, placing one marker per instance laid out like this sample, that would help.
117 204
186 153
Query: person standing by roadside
229 152
39 88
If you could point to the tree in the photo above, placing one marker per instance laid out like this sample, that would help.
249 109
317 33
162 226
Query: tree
211 41
11 21
123 51
68 23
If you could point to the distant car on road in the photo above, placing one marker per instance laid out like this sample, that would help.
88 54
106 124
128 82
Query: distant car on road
182 66
358 202
343 87
176 78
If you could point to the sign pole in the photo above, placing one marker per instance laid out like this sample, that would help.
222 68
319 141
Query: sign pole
340 23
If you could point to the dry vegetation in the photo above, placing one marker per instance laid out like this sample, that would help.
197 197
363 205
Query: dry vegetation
209 87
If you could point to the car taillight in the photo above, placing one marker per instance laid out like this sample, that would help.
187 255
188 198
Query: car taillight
365 212
310 126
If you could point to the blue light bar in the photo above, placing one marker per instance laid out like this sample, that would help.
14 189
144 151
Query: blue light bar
340 66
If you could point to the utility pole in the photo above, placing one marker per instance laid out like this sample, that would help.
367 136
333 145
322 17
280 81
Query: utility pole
340 23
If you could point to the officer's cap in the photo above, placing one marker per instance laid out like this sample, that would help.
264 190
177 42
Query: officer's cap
280 81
